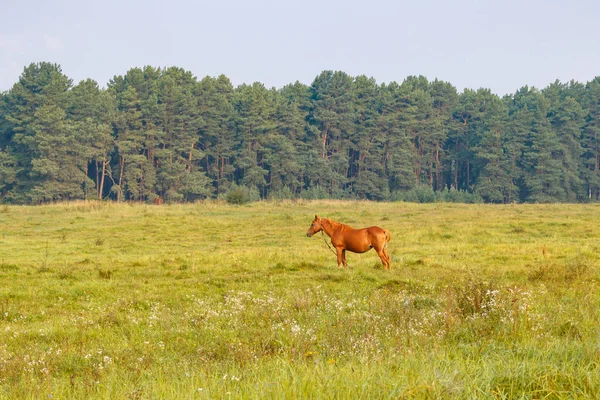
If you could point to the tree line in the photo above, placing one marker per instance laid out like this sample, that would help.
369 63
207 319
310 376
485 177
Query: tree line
161 132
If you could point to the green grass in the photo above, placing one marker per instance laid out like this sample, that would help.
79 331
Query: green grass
104 300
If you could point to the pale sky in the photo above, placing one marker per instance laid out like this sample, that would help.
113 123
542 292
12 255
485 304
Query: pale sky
501 45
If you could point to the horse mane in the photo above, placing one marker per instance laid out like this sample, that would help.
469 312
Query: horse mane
331 222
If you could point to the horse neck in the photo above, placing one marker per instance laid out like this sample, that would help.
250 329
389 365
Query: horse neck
329 226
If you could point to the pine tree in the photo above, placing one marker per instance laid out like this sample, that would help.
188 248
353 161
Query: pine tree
444 99
285 142
217 133
332 116
495 163
93 112
367 144
566 119
37 129
396 117
542 153
418 123
591 140
255 107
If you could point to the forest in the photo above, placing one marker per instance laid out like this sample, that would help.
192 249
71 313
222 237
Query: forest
163 133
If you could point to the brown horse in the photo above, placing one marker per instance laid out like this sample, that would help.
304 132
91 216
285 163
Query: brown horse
345 238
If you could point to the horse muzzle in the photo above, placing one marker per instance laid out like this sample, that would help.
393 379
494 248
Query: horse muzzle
309 234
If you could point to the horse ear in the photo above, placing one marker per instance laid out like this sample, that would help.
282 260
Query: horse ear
316 217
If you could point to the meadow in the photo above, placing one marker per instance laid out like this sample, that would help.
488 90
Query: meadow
209 300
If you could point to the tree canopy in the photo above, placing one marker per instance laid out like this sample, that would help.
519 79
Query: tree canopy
161 132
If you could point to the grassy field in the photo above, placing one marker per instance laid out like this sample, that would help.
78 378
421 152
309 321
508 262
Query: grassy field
103 300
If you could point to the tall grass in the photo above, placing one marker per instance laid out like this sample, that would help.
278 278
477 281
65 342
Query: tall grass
104 300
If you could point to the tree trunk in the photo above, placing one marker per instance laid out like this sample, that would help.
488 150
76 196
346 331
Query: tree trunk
189 167
121 179
97 176
468 167
101 187
85 193
324 150
456 166
437 167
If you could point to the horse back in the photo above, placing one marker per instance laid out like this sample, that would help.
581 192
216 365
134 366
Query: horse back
361 240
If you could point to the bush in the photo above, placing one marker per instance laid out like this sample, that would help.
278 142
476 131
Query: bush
458 196
420 194
241 195
285 193
425 194
237 195
315 193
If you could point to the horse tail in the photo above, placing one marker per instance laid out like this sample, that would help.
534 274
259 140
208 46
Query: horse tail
388 237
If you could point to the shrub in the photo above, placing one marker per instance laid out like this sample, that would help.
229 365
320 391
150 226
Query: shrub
420 194
458 196
241 195
315 193
285 193
425 194
237 195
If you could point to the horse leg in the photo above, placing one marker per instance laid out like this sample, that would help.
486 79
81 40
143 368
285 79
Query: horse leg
386 240
388 259
344 258
340 256
384 258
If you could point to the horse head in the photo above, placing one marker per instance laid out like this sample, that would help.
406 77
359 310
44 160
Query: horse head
315 227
